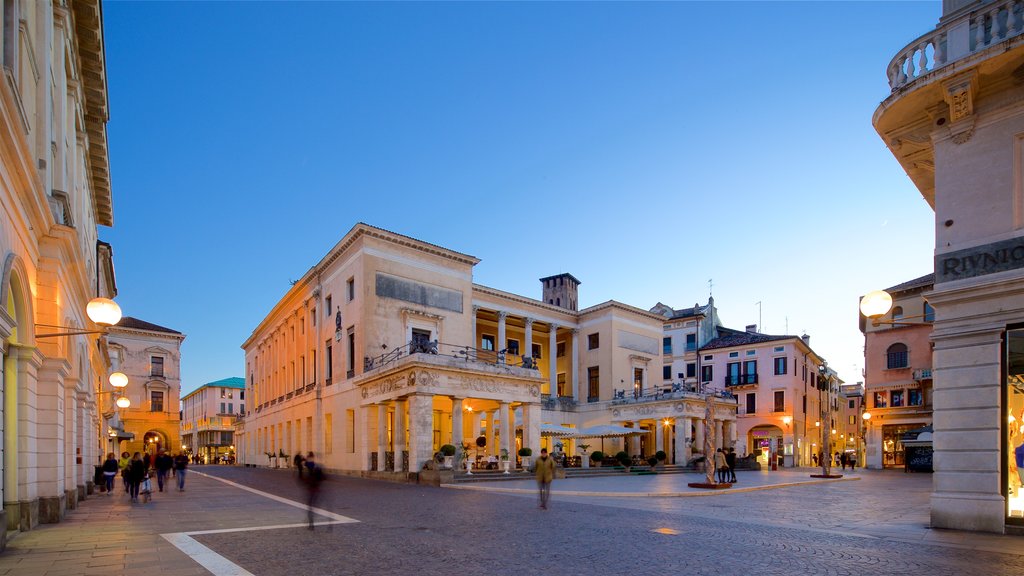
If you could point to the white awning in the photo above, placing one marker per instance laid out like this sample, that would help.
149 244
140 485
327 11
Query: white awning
556 430
607 431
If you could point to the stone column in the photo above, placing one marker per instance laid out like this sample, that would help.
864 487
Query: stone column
421 431
507 434
398 433
457 429
575 368
553 361
491 448
472 321
49 444
682 440
531 427
382 435
502 342
365 419
634 444
699 437
659 436
528 346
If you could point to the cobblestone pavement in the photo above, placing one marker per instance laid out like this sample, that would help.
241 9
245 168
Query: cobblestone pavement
826 529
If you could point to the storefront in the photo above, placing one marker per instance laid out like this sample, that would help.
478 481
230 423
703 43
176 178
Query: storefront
765 442
893 451
1013 436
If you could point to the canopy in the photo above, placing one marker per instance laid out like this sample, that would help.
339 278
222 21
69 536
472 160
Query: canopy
556 430
607 431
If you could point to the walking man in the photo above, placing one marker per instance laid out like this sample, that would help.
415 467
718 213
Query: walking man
314 475
545 475
164 464
730 461
180 467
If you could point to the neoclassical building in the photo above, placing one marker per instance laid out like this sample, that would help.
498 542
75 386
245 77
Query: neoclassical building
955 122
386 349
209 415
54 192
150 355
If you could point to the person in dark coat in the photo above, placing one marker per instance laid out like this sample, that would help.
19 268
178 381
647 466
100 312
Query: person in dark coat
109 472
314 475
180 467
136 473
164 464
730 461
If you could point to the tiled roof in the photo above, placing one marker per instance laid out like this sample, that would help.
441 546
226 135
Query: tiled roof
730 338
923 281
136 324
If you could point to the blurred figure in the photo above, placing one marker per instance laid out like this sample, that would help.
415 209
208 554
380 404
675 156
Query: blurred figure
314 476
136 473
109 472
164 464
299 463
545 475
180 467
122 465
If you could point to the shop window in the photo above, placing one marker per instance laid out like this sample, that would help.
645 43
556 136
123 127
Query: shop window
881 401
914 398
896 398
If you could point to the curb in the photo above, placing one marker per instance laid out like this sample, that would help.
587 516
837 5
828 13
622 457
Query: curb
647 494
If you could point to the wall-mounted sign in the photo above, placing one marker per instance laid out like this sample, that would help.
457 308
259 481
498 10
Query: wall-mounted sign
980 260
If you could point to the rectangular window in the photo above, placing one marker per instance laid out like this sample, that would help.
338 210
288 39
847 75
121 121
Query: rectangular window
666 345
222 411
691 342
560 384
780 348
330 361
156 366
560 350
593 341
734 354
156 401
780 365
328 308
852 420
691 370
351 353
593 383
512 346
780 401
913 397
666 372
896 398
223 392
350 289
929 313
851 404
638 382
241 409
536 351
751 352
328 433
708 357
880 400
750 372
350 431
751 403
309 432
487 342
706 373
732 374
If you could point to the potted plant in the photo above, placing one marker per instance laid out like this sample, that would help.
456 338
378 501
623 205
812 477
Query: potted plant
504 460
467 461
448 451
525 454
271 459
624 459
282 459
584 461
660 456
597 456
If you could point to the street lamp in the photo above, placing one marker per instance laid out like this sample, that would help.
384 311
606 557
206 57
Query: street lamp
866 420
876 304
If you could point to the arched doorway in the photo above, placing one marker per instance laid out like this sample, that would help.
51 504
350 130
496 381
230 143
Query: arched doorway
153 442
766 442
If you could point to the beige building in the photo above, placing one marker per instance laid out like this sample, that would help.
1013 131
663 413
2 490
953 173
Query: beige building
54 192
386 350
955 122
898 372
209 415
150 355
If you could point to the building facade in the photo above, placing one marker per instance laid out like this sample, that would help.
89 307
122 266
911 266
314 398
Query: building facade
686 330
852 427
386 350
209 415
54 192
150 355
898 372
781 412
955 122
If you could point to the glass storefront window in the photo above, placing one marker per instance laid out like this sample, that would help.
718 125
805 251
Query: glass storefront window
892 443
913 397
1014 419
897 398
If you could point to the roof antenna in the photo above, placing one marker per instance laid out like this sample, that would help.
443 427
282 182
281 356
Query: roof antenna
710 287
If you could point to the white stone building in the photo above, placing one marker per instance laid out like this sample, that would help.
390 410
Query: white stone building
209 415
386 349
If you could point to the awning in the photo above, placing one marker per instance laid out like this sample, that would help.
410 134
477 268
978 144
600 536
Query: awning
607 431
556 430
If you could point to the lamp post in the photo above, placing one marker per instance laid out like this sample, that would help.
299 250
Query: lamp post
787 420
866 421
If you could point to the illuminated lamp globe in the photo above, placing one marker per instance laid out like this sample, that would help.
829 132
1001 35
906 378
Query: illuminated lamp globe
866 416
123 402
786 420
103 311
118 380
875 304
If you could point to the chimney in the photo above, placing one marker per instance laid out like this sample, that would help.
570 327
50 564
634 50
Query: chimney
751 328
806 339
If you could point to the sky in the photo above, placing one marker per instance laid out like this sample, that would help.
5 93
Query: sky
659 152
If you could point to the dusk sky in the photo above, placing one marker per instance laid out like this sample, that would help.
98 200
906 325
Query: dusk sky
646 148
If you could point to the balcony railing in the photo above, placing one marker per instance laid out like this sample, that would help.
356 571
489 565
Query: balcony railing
923 374
740 379
974 32
467 353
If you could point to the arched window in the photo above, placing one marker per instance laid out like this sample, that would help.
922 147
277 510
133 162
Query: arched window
897 312
896 356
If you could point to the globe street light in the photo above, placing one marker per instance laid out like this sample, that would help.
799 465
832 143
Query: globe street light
118 380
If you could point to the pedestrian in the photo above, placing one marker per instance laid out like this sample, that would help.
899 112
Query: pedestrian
843 459
730 461
853 460
122 465
545 473
814 459
721 468
180 467
314 476
109 472
164 464
136 473
298 462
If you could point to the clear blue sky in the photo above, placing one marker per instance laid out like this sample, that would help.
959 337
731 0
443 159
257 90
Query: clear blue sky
645 148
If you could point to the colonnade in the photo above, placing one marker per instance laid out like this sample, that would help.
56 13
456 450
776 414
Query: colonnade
689 437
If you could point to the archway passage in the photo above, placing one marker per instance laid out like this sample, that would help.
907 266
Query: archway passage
153 442
766 442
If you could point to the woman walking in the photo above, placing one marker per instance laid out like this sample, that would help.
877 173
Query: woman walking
136 473
109 472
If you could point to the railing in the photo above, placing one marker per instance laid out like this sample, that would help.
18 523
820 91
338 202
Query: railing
549 402
991 24
923 374
676 390
467 353
740 379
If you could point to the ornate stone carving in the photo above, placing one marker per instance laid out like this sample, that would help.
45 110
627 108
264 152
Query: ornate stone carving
679 407
386 386
959 94
616 413
535 390
483 384
962 137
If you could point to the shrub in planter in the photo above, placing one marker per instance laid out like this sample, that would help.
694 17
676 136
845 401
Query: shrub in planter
481 441
448 450
525 452
652 461
660 456
624 459
597 456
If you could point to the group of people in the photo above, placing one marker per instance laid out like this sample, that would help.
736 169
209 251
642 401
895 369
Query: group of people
841 459
137 469
725 466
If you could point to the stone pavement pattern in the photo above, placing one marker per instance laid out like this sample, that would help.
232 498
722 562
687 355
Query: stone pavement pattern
423 530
